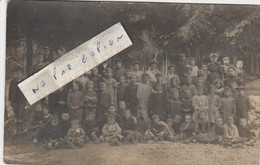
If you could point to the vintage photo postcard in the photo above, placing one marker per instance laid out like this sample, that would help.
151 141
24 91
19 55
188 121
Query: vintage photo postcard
131 83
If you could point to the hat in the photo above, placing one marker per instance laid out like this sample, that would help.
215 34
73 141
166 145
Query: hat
240 87
182 54
225 58
46 47
136 62
191 58
172 66
214 55
112 104
118 60
188 67
153 62
75 121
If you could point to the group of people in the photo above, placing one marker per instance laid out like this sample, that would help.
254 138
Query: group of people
115 104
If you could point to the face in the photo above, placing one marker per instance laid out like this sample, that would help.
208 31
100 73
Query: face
145 79
188 71
127 74
174 82
233 85
239 64
65 116
169 123
159 78
226 61
94 71
103 87
218 85
133 79
136 67
202 116
45 112
176 95
143 114
214 59
54 122
109 73
192 62
156 119
158 88
90 117
110 120
90 84
200 91
227 93
171 70
153 66
122 79
122 105
177 119
38 108
230 120
118 64
111 109
75 87
204 68
219 122
183 58
188 80
212 90
231 72
18 75
243 122
187 119
75 125
127 114
241 91
40 59
47 51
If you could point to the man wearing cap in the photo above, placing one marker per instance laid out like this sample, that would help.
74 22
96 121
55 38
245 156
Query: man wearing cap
242 103
171 74
181 65
226 65
136 71
214 68
119 70
153 70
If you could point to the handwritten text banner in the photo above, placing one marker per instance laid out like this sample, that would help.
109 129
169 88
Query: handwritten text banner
75 63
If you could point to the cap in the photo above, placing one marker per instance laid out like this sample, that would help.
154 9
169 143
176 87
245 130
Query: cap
188 67
174 66
214 55
136 62
225 58
191 58
75 121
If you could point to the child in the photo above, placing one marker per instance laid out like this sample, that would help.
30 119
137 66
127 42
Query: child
157 102
143 93
177 122
160 129
219 130
244 132
136 71
119 70
57 101
202 128
232 77
76 135
112 111
121 88
39 64
111 132
173 86
226 65
182 64
241 74
129 127
219 87
17 100
187 73
104 99
143 126
169 123
131 96
95 78
75 102
228 104
200 103
230 131
46 117
171 74
242 103
128 76
214 105
204 72
194 68
187 128
35 122
91 127
174 104
53 134
111 83
90 98
121 108
234 92
65 123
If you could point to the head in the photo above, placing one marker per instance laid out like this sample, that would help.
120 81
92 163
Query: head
122 79
157 87
75 86
175 94
203 115
145 78
127 113
187 118
212 89
94 71
204 68
219 121
227 92
38 107
55 121
239 64
171 69
136 66
75 124
243 122
127 73
109 72
183 56
118 64
241 91
153 66
218 83
200 91
155 118
111 108
46 51
122 105
159 77
192 61
90 116
177 118
45 112
143 114
133 79
18 74
230 120
65 116
89 84
40 58
174 82
169 122
111 120
188 70
233 85
214 57
226 60
232 71
188 80
102 86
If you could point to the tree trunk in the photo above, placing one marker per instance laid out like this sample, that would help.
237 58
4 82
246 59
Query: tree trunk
29 56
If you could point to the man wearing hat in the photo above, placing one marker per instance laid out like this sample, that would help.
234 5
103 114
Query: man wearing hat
242 103
171 74
182 64
136 71
226 65
214 68
119 70
153 70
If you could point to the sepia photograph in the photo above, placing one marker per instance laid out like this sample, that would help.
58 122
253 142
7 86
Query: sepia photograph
131 83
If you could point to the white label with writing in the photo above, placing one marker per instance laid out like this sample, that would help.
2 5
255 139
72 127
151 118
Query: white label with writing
75 63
